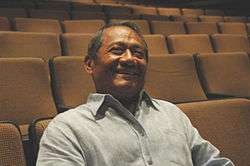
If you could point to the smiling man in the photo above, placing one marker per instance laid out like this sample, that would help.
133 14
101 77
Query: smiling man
121 125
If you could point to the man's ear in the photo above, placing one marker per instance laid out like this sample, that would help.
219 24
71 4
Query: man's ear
88 64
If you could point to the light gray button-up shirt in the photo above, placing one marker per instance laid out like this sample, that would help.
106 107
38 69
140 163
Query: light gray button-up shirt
102 132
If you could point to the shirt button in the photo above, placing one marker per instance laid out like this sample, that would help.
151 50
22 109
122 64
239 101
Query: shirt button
150 162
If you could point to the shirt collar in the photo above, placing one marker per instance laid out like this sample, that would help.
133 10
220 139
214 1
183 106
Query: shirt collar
97 100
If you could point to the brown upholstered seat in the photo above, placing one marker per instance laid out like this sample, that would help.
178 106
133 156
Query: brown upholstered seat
157 45
189 11
82 26
4 24
49 14
37 25
75 44
214 12
13 12
27 44
232 28
189 43
225 123
235 19
205 18
11 147
25 91
117 9
201 27
137 10
36 130
143 24
225 73
87 7
230 43
71 83
185 18
173 78
167 27
169 11
85 15
54 5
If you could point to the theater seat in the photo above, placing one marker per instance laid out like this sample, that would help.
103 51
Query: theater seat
27 44
11 147
201 27
71 84
189 43
167 27
37 25
225 74
225 123
157 45
173 78
230 43
49 14
82 26
4 24
25 91
206 18
36 129
232 28
75 44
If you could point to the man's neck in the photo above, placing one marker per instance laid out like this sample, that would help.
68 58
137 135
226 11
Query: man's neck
130 103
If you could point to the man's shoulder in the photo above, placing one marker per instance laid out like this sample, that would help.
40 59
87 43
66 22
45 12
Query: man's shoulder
74 115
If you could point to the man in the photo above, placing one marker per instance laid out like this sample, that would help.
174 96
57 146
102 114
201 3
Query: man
121 125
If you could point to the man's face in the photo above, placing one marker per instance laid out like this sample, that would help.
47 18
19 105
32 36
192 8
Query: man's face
120 66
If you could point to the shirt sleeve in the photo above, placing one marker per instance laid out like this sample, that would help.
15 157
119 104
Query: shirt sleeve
203 152
59 146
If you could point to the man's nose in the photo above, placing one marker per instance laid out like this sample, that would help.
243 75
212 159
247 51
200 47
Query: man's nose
127 57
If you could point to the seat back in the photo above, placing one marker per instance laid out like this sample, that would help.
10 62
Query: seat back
4 24
241 19
71 83
11 147
36 129
205 18
232 28
188 11
201 27
25 91
169 11
167 27
173 78
49 14
26 44
82 26
84 15
225 73
143 24
13 12
230 43
189 43
157 45
75 44
225 124
37 25
214 12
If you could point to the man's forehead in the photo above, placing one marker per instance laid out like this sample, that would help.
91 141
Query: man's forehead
120 32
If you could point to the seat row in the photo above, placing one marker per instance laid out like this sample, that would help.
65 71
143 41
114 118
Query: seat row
31 89
124 8
48 45
147 27
109 12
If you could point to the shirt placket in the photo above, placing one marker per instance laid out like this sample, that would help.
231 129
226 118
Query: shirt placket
138 130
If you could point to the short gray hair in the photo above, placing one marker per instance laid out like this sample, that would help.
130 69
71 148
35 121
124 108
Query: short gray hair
96 42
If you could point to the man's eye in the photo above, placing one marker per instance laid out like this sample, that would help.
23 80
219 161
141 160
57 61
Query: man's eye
117 51
139 53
